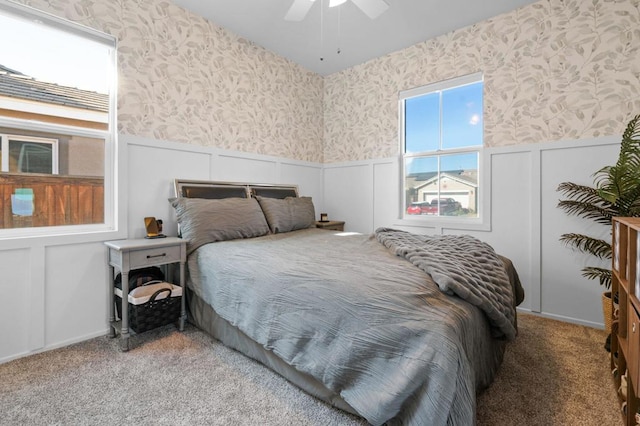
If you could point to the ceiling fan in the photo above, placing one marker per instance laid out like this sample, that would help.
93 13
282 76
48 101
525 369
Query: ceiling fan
371 8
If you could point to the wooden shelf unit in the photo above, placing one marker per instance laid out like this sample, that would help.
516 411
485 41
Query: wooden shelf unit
625 299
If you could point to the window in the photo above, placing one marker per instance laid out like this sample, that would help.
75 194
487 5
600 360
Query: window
57 133
441 137
28 155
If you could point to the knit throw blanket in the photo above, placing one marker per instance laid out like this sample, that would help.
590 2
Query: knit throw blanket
460 265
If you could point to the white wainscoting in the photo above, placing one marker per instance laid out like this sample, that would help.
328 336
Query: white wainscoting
55 289
525 223
153 165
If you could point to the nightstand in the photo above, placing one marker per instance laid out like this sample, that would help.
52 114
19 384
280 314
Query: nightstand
126 255
333 225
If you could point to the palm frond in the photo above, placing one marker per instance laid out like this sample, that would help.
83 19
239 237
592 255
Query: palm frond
601 274
599 248
582 199
616 193
586 210
618 185
629 153
578 192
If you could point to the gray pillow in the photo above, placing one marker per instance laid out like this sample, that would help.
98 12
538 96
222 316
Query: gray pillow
288 214
205 221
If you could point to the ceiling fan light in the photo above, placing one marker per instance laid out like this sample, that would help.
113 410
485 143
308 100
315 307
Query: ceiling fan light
333 3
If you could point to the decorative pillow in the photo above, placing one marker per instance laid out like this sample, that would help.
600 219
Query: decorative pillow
288 214
205 221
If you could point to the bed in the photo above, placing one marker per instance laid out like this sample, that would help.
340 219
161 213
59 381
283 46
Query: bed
394 327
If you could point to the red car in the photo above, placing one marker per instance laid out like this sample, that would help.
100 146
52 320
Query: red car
447 206
418 208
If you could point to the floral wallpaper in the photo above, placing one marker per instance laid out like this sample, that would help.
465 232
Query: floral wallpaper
184 79
553 70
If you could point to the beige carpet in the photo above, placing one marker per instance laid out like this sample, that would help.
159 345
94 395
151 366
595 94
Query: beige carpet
554 374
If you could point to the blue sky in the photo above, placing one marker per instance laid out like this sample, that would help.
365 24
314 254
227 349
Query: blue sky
460 126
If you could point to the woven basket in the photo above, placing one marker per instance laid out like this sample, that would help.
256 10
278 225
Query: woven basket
154 313
607 309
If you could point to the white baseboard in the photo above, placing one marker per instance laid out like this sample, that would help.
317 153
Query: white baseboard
562 318
56 346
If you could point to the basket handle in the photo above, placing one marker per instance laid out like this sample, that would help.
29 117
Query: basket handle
154 295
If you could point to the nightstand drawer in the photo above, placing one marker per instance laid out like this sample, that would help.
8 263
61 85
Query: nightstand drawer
154 256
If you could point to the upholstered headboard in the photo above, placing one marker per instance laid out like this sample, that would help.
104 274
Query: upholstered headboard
212 211
216 190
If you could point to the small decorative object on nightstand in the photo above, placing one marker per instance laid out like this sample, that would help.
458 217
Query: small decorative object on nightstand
126 255
333 225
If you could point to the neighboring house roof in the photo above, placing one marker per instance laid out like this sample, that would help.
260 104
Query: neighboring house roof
469 178
9 70
15 84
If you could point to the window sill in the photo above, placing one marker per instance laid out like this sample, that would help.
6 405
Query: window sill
439 223
59 235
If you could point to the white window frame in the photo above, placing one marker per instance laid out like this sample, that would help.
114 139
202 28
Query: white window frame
481 222
5 142
115 217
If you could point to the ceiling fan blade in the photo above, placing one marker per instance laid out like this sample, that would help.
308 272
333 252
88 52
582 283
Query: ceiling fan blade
372 8
298 10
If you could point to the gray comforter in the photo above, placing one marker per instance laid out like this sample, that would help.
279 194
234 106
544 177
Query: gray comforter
366 323
464 266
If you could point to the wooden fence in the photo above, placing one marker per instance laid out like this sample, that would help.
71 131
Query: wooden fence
57 200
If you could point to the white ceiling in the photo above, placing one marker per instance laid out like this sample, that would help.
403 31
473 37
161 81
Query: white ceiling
346 27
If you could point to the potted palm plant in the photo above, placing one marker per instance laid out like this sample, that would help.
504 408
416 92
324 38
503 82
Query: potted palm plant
616 192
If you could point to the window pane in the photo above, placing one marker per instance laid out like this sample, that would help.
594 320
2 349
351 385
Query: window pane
53 55
462 116
30 157
419 175
453 191
74 196
54 134
422 123
458 185
443 135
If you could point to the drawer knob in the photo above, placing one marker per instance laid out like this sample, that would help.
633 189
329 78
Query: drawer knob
156 255
633 327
